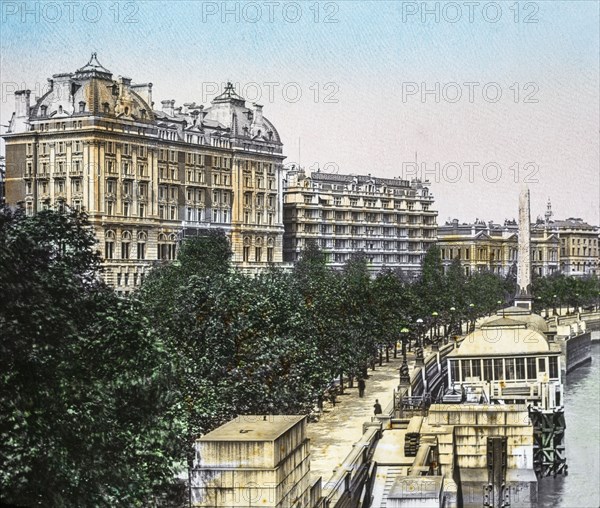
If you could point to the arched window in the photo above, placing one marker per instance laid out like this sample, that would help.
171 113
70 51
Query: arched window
258 250
142 237
246 249
270 250
166 248
109 244
125 245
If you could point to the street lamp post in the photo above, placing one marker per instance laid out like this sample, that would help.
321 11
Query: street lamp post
404 372
451 325
471 326
434 343
419 350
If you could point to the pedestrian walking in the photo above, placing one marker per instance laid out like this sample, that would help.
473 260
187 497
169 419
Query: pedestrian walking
377 407
361 387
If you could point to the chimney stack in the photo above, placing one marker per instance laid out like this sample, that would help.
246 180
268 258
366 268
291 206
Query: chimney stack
168 107
22 103
257 119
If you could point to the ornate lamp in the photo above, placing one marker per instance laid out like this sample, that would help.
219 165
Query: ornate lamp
404 372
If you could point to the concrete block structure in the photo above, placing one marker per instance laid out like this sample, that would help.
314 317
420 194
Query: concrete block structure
253 461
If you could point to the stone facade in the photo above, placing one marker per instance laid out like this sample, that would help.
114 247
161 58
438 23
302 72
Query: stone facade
579 247
570 246
253 461
487 246
391 220
148 177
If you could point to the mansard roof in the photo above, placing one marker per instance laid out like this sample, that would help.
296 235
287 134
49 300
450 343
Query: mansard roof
227 115
91 90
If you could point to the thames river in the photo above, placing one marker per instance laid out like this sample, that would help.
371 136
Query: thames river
581 487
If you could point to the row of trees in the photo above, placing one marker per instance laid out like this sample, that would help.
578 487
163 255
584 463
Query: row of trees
559 291
102 397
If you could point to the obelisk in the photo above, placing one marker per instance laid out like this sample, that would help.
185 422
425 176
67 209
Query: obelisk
523 296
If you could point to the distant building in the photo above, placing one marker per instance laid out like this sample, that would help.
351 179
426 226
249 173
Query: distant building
579 249
391 220
482 246
570 246
146 177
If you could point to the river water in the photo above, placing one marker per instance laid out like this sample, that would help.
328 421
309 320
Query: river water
581 487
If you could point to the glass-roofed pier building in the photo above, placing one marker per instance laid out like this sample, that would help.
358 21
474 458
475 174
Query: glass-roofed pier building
509 358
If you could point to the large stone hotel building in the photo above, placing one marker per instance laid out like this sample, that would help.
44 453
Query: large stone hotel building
146 177
391 220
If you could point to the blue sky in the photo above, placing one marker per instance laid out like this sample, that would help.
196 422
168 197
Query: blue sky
331 76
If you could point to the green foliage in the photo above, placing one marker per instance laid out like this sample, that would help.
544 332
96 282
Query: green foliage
101 395
561 290
83 391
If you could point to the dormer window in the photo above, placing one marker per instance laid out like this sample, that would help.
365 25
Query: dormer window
115 90
143 113
44 110
60 110
81 107
126 111
105 107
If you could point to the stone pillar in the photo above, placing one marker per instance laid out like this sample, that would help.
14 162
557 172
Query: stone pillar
523 297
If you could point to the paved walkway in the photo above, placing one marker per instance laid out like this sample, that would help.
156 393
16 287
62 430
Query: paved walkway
332 437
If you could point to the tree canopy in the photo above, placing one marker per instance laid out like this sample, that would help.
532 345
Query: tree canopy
102 396
83 382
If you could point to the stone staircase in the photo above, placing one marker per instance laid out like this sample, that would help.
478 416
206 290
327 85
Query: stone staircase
389 475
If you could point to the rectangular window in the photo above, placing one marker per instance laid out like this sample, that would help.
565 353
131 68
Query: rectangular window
520 368
476 368
258 254
509 368
270 254
541 365
531 368
498 369
466 368
125 250
109 250
141 250
553 364
454 372
246 254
